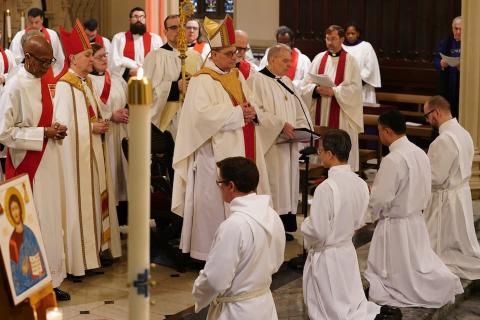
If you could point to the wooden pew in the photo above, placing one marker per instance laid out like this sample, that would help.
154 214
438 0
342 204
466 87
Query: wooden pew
415 99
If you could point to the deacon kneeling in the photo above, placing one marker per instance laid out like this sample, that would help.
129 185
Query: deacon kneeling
332 287
248 248
402 269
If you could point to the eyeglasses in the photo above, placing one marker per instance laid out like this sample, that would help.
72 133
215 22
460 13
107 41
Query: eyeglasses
228 54
192 28
138 18
45 62
103 56
426 114
244 49
173 28
220 182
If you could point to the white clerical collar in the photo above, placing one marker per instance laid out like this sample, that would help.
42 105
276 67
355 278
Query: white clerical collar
447 124
27 74
398 143
211 65
339 168
76 74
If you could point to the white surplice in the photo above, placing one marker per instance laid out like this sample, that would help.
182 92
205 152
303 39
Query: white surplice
402 269
163 67
17 50
119 62
348 95
116 131
303 66
281 159
210 129
449 215
248 248
86 173
11 66
20 112
367 61
332 287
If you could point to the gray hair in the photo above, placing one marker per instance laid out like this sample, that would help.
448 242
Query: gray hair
457 19
28 35
276 49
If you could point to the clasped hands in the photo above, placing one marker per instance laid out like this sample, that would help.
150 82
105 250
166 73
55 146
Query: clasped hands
100 126
120 116
324 91
56 132
249 113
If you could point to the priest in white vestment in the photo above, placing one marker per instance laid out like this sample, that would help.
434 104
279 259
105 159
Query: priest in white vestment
163 68
35 22
367 61
402 268
300 63
26 128
449 214
195 40
339 106
111 91
248 248
218 120
332 288
130 48
287 111
91 227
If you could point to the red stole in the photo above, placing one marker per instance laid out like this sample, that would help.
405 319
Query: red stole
334 119
107 85
248 136
99 40
244 67
293 66
5 60
129 50
199 47
32 159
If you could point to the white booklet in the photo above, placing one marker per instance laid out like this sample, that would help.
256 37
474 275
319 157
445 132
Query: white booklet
321 80
451 61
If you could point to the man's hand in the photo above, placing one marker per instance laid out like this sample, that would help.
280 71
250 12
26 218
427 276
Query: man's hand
249 113
56 132
120 116
100 127
324 91
2 79
288 130
133 72
443 64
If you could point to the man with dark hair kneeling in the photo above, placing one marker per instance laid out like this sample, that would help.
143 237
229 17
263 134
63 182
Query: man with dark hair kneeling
248 248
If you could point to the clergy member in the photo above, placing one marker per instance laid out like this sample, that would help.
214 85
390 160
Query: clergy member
163 68
35 21
91 226
217 121
300 62
449 215
339 106
111 90
194 38
27 129
91 29
286 110
248 248
402 268
332 287
367 61
247 68
130 48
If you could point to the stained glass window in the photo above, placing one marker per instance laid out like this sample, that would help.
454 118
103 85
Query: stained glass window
210 5
195 3
229 5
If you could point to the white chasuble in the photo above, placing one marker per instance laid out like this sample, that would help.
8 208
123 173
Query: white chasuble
338 209
449 214
402 269
91 220
348 95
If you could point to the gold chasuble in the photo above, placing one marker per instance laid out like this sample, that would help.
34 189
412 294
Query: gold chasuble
233 87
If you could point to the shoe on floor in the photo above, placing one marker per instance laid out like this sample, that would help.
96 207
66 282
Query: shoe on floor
61 295
288 237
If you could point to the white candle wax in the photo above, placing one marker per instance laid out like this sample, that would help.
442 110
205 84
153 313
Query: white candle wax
9 25
54 314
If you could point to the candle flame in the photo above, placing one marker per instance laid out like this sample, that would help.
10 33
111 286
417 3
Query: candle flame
140 73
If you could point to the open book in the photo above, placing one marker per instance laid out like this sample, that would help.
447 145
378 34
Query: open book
301 135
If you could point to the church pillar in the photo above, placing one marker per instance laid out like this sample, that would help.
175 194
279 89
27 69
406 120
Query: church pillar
470 83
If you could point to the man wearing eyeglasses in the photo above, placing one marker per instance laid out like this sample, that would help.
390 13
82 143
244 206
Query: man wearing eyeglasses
163 68
35 22
247 68
194 38
130 48
27 129
218 120
449 214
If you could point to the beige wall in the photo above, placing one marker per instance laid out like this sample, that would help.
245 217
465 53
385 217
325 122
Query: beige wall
259 18
116 15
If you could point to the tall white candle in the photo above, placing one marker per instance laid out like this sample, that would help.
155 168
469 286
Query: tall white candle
22 21
54 314
9 25
139 137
